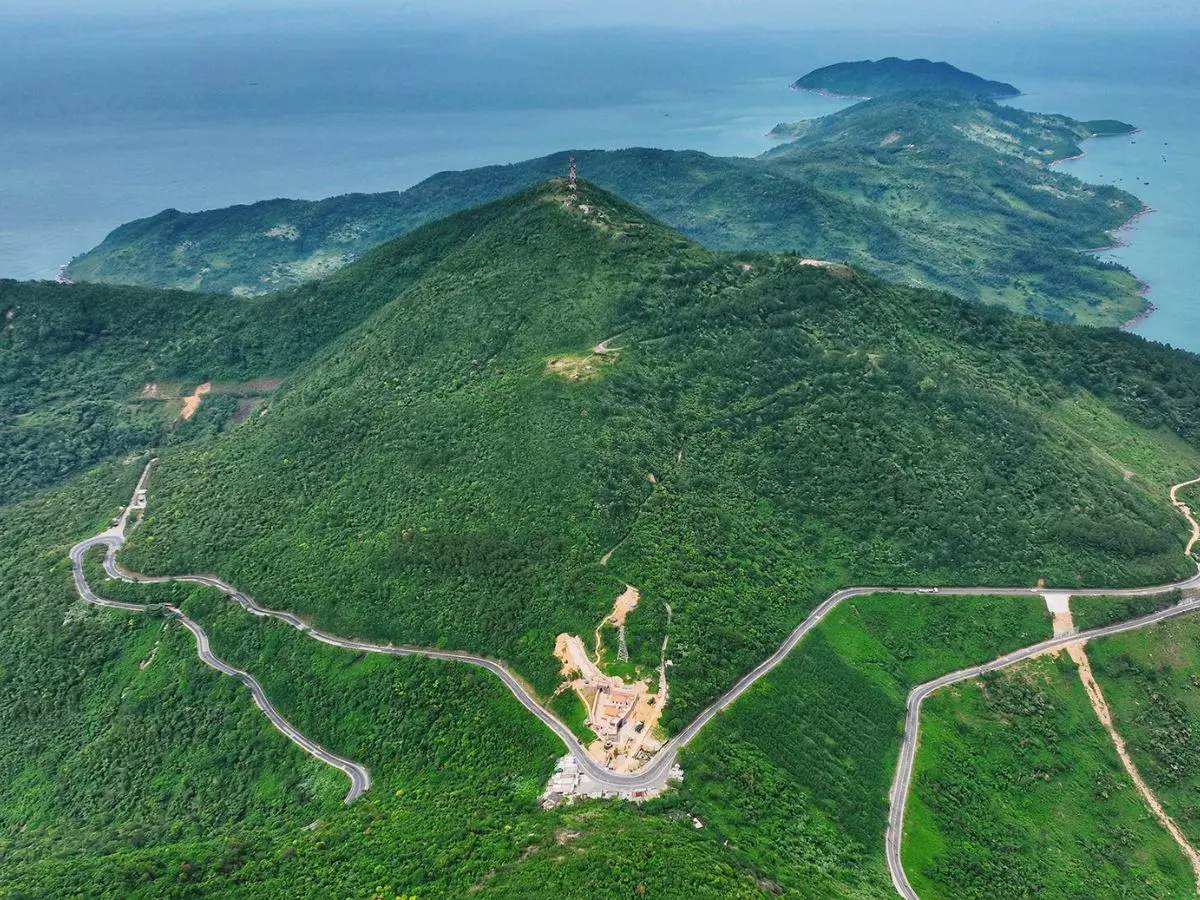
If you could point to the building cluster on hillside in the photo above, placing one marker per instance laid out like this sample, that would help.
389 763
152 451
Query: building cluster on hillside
570 781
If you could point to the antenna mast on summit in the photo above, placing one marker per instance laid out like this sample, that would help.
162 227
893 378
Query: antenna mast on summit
571 183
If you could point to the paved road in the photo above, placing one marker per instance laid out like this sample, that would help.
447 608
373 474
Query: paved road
655 773
898 796
112 539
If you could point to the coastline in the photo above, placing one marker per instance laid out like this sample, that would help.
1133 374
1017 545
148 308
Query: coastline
1066 159
825 92
1117 240
1141 317
1143 287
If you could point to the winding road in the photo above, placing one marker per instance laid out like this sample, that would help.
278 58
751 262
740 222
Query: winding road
654 774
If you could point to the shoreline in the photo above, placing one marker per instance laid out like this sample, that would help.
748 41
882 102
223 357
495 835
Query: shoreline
1141 317
1143 287
1117 240
1066 159
825 92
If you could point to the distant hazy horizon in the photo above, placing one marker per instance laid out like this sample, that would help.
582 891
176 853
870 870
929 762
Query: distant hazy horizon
938 15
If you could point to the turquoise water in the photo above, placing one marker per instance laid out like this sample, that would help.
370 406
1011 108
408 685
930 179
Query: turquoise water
113 121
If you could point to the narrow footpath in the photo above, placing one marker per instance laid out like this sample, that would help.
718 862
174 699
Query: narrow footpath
1079 655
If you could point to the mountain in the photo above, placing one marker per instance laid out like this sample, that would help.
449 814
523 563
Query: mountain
471 417
892 76
453 471
89 371
966 201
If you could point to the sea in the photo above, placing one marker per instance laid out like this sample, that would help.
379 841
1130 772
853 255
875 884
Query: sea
108 119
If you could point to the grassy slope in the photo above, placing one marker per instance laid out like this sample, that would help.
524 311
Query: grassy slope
796 775
1019 793
949 212
1149 679
441 488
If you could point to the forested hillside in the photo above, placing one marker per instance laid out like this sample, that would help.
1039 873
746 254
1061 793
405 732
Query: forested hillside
75 361
474 414
941 191
755 432
867 78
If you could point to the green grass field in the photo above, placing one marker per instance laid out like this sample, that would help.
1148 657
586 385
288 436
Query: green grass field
1018 792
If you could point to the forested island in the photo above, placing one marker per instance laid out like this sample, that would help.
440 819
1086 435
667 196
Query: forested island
866 78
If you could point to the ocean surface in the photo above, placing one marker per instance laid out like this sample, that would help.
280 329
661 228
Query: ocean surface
107 120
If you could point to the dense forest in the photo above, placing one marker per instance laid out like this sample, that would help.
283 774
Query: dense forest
764 432
473 415
867 78
941 191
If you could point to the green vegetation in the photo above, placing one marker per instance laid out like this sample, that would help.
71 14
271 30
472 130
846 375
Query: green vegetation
1149 679
74 360
569 707
1108 127
115 737
130 769
971 204
1018 792
426 476
441 488
891 76
1096 612
942 191
796 774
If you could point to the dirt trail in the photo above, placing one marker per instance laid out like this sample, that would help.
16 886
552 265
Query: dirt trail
1079 655
622 606
602 347
1187 512
191 403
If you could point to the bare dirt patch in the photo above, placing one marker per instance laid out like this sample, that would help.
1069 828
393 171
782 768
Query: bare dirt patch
891 138
1079 655
1059 605
287 232
839 270
1187 513
579 367
624 604
624 716
191 403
